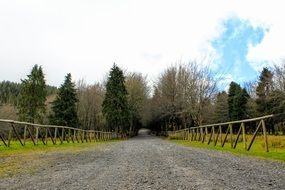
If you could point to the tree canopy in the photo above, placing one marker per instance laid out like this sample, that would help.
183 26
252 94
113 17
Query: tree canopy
33 95
237 101
64 108
115 105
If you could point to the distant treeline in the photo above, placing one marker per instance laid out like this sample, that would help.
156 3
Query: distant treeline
187 95
184 95
9 92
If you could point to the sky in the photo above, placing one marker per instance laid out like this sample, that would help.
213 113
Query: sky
86 37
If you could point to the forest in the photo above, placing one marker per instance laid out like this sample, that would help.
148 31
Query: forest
183 95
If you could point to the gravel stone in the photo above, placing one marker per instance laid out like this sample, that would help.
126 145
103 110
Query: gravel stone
148 162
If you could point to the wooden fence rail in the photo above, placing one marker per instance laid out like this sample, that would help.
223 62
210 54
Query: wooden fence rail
22 131
220 132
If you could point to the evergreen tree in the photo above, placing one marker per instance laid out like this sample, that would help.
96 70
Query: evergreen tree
231 100
277 103
221 113
237 101
9 92
32 99
243 97
64 107
115 104
263 91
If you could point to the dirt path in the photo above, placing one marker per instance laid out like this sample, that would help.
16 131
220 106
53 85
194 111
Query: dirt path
147 162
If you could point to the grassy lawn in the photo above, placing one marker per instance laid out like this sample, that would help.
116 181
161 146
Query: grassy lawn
18 159
276 147
16 148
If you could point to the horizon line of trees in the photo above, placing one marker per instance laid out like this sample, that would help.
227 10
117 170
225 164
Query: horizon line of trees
184 95
187 95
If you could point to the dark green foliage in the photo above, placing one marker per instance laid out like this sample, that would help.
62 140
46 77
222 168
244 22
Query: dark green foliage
237 101
64 107
277 104
221 108
263 90
115 104
33 95
9 92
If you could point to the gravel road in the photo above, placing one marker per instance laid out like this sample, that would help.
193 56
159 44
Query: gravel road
147 162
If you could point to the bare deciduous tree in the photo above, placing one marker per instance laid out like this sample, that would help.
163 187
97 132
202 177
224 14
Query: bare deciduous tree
138 94
90 105
186 93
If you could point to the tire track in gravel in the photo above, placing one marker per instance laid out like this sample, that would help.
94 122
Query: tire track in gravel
147 162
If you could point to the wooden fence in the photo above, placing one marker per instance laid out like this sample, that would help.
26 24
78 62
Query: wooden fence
219 132
23 131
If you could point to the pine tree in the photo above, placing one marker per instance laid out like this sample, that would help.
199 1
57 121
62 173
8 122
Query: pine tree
221 113
9 92
64 107
243 97
277 103
115 104
32 98
263 91
231 100
237 101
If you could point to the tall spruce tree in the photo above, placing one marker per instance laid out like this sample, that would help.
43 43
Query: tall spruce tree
64 107
263 91
237 101
221 113
32 98
115 104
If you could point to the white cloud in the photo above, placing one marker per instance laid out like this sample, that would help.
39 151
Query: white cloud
86 37
270 14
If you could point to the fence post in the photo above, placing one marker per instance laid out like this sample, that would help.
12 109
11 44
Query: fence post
37 135
55 134
221 134
62 135
25 134
31 135
265 136
68 137
231 135
46 136
225 139
73 137
244 136
10 135
206 134
253 137
212 133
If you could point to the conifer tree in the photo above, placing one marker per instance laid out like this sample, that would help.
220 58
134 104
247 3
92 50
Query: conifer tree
263 91
231 100
115 104
237 100
32 98
64 107
221 113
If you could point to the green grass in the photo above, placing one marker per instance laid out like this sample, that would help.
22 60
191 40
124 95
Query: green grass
276 147
18 159
17 148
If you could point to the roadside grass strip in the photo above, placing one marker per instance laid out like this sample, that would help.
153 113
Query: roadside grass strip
276 147
18 159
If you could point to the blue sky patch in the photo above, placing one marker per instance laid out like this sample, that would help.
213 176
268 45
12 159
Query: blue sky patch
233 45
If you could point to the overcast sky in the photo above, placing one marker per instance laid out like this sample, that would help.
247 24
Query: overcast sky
86 37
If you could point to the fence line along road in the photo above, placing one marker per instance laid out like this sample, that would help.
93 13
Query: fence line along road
221 131
22 131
